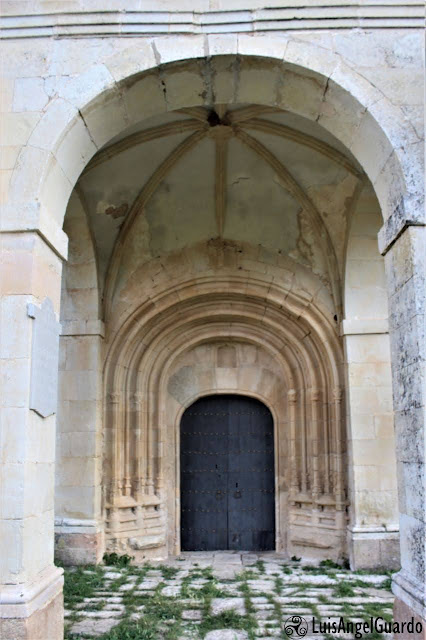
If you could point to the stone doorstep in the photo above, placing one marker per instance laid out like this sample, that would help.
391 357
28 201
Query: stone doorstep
196 555
225 573
249 557
220 562
201 564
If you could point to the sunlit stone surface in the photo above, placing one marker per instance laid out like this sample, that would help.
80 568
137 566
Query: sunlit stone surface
234 207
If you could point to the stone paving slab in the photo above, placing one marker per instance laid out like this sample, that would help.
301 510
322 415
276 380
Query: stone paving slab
209 596
93 628
219 605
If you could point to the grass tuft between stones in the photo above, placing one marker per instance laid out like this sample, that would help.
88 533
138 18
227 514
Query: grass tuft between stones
151 614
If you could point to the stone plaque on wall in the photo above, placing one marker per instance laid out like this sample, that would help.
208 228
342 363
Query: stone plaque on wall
44 358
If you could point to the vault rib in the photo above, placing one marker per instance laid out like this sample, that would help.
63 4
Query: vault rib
305 202
221 110
198 113
169 129
302 138
220 183
139 203
247 113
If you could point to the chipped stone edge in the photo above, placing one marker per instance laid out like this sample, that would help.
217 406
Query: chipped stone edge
20 601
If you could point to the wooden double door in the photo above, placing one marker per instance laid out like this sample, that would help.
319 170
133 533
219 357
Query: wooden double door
227 475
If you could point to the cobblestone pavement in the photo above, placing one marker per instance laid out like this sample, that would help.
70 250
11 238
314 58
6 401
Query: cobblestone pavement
219 596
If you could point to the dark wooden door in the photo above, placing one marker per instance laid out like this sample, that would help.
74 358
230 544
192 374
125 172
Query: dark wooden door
227 475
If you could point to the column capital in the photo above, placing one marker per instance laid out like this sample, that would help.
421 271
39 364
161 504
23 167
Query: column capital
28 217
396 225
292 396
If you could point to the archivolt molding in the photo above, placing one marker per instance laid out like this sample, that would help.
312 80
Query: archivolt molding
294 304
140 364
190 297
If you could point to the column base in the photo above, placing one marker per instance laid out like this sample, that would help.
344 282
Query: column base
78 542
34 612
373 548
409 605
403 613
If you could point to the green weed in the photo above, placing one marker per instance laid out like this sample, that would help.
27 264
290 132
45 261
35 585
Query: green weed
260 566
343 590
113 559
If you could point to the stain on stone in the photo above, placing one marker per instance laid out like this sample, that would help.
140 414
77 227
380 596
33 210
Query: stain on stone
117 212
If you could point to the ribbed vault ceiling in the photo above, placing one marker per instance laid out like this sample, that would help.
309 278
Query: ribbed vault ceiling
245 173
